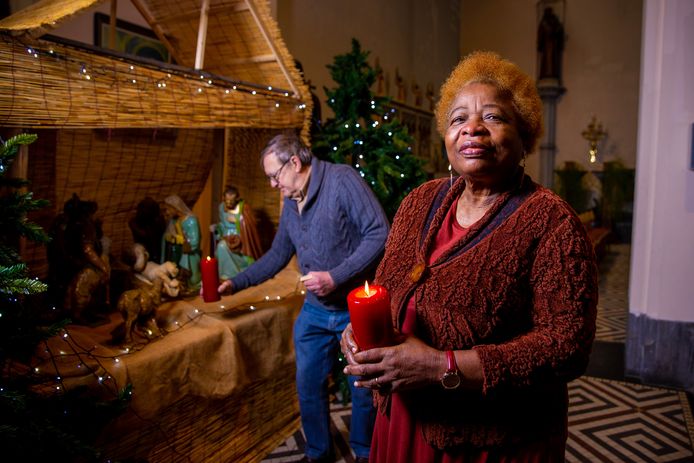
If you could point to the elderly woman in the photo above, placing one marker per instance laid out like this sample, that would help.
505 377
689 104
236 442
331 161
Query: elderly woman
493 288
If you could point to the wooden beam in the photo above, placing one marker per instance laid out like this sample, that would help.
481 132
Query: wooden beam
252 59
158 31
112 24
202 34
271 44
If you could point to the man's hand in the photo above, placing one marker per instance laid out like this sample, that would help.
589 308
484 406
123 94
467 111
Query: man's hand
320 283
226 286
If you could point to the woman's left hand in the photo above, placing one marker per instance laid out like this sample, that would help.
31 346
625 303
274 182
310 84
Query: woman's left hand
408 365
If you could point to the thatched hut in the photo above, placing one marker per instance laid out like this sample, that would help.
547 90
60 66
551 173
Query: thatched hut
115 128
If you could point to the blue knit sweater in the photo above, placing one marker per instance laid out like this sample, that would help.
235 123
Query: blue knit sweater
342 229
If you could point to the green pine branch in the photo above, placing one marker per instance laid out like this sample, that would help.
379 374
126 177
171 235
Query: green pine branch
366 133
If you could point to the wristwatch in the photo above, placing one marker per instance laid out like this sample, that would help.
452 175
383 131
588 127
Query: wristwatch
452 377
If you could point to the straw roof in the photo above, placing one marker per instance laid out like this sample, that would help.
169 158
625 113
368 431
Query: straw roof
248 78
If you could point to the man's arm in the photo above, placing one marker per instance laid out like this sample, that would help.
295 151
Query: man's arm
269 264
363 210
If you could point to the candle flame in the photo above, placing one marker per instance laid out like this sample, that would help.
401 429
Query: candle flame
209 258
366 289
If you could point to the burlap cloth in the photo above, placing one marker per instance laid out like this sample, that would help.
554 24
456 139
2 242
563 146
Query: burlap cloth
209 350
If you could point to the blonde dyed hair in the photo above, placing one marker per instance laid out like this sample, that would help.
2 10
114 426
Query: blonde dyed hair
490 68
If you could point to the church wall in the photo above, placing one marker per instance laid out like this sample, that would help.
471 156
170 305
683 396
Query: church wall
600 66
418 38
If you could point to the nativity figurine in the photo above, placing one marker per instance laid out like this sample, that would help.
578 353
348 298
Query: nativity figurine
236 235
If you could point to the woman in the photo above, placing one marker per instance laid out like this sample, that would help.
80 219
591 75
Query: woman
493 287
238 244
181 241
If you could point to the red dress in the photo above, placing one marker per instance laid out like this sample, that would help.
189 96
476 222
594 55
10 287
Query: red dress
398 437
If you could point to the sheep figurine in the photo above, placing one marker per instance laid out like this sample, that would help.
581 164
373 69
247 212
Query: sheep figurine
148 271
139 306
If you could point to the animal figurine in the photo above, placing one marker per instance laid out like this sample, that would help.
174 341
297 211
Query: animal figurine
139 305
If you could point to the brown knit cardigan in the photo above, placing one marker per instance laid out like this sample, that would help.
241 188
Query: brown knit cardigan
520 288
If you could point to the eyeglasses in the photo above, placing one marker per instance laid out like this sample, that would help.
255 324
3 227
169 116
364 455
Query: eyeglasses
276 176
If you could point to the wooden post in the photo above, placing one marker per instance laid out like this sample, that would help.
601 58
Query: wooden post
202 34
112 25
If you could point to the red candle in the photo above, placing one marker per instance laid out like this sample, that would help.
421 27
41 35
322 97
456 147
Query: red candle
369 312
210 279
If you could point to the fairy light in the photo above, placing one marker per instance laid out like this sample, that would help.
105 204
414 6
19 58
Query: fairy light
253 92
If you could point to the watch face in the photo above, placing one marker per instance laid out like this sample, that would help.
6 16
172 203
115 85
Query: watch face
450 380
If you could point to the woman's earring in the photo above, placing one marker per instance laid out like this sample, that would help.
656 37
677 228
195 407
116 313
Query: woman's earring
450 170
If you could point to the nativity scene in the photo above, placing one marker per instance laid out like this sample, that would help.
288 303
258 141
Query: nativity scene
133 153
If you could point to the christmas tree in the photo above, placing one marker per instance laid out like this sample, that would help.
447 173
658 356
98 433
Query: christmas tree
366 133
33 426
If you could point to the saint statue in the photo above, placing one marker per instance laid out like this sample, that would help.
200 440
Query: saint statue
550 45
236 234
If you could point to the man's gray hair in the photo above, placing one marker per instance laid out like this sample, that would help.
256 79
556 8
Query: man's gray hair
286 145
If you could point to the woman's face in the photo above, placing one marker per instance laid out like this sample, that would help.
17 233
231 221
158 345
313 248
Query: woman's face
482 138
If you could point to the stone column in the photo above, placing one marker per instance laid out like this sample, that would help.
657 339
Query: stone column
550 91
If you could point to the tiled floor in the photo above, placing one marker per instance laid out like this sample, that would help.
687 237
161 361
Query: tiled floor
610 418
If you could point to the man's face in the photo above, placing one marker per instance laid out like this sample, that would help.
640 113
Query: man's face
282 175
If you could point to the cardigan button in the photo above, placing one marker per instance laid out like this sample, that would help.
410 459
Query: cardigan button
417 272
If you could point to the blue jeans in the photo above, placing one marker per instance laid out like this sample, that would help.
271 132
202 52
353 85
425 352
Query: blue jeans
317 341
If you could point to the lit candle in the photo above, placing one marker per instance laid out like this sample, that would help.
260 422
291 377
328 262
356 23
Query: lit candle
210 279
369 312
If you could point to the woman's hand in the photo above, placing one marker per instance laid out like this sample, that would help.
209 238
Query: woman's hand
408 365
348 345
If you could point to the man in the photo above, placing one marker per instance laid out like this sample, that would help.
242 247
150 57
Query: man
337 228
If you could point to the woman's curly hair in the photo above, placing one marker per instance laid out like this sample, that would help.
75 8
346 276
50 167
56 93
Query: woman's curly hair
490 68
